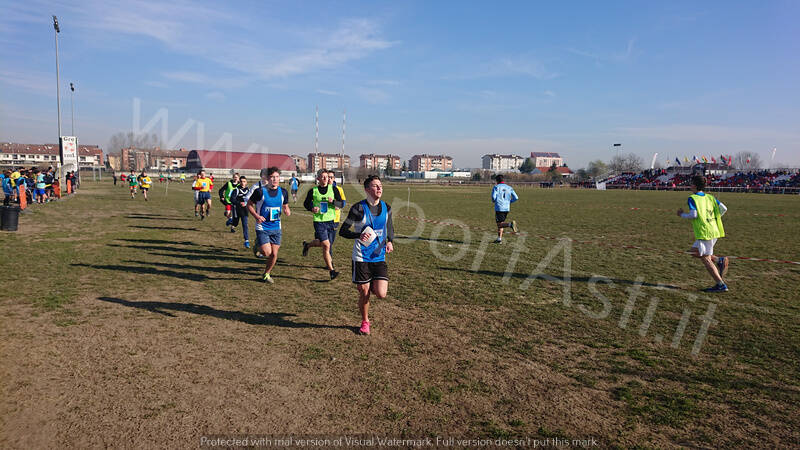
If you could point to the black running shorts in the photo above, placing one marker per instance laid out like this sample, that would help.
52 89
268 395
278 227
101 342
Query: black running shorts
365 272
500 216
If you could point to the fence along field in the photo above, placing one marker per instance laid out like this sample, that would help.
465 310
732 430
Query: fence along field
133 322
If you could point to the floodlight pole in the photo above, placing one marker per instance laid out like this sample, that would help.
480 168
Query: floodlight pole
61 178
72 105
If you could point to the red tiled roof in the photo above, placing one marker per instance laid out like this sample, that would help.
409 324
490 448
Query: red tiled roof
45 149
562 170
545 155
213 159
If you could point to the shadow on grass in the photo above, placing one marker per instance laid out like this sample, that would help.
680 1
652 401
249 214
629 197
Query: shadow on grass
524 276
158 241
209 250
273 319
163 228
154 217
420 238
231 270
148 271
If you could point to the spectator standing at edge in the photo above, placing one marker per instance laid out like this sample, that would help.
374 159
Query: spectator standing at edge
321 200
266 204
5 179
503 196
371 220
706 213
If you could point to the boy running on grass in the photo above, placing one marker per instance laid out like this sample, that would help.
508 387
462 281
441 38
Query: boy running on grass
503 196
373 231
145 182
266 205
322 201
132 183
706 213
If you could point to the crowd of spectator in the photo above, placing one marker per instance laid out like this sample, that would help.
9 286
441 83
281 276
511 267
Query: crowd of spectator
40 185
752 181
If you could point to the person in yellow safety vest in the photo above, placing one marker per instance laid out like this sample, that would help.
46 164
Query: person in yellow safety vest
321 200
14 189
203 187
338 217
706 213
144 183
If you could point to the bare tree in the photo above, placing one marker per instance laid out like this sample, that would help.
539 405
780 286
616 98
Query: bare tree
130 140
627 163
747 161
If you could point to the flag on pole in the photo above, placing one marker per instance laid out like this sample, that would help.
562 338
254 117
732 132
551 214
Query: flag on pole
678 161
748 160
704 159
694 158
685 159
713 160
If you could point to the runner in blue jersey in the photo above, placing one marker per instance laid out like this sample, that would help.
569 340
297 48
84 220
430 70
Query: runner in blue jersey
371 222
503 196
266 205
294 184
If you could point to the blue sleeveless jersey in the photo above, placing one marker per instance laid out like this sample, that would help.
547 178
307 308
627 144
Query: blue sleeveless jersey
375 251
270 208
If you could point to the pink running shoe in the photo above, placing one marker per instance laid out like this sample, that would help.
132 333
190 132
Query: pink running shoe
364 327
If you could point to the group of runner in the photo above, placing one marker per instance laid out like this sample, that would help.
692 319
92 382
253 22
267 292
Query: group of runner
369 224
135 182
705 213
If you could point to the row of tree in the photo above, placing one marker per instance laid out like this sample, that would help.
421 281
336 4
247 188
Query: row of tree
745 161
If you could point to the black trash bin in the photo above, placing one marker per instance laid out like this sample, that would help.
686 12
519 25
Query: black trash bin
9 218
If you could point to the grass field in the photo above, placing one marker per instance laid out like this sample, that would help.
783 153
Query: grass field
127 323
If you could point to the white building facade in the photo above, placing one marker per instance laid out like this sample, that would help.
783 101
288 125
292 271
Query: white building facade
502 163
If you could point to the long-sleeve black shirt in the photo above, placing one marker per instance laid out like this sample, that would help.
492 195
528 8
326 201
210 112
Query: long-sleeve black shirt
356 215
308 204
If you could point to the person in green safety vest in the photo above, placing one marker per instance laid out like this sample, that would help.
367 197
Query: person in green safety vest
706 213
322 200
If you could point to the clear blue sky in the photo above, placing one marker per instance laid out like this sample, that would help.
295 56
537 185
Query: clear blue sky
460 78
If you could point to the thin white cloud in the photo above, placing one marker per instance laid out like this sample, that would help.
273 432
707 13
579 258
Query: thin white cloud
600 57
509 66
373 95
36 82
156 84
383 83
268 50
549 93
706 133
326 92
216 96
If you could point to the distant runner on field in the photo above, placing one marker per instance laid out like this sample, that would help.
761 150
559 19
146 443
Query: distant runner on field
503 196
133 183
144 183
294 184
